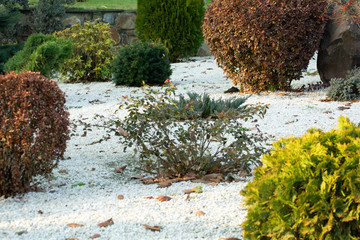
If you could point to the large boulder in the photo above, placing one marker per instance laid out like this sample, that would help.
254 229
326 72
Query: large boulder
339 49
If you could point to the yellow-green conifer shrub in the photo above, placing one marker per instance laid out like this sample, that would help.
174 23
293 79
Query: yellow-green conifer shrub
93 52
308 187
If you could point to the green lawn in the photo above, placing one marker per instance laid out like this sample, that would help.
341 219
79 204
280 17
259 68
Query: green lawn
102 4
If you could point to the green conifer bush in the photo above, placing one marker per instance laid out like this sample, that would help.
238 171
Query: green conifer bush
41 53
308 187
175 23
140 63
264 45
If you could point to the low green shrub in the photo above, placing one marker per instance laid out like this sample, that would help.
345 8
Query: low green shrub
308 187
141 63
93 53
345 89
169 144
41 53
34 129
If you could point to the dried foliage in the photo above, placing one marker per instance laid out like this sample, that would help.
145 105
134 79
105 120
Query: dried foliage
175 23
308 187
171 143
141 63
34 129
264 44
93 52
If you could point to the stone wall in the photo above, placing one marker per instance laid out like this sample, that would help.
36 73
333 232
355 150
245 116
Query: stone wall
122 24
121 21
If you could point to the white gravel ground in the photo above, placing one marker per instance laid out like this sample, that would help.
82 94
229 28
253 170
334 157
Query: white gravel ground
84 187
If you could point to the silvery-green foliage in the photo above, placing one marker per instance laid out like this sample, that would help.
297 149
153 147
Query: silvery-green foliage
169 143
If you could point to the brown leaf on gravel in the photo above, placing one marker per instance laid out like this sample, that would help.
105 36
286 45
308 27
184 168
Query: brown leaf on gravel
188 191
106 223
230 238
40 212
164 184
153 228
149 197
162 198
95 236
325 100
122 132
148 180
120 169
343 108
70 238
74 225
214 177
120 197
63 171
199 213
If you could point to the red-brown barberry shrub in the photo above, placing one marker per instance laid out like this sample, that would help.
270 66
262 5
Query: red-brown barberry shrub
264 44
34 129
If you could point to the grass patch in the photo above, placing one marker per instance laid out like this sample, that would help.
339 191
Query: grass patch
100 4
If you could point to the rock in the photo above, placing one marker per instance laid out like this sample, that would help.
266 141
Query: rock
109 18
339 49
68 22
125 21
204 51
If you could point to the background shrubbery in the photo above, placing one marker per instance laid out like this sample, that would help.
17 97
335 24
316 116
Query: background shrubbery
308 187
175 23
34 129
264 45
93 52
41 53
141 63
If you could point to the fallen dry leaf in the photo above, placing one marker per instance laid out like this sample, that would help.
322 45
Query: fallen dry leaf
95 236
148 180
153 228
343 108
40 212
188 191
213 177
150 197
199 213
106 223
74 225
120 197
230 238
120 169
63 171
122 132
164 184
162 198
325 100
